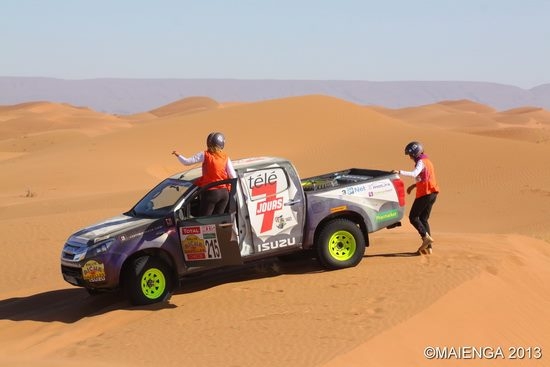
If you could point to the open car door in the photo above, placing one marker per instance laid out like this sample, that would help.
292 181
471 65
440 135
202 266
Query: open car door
209 240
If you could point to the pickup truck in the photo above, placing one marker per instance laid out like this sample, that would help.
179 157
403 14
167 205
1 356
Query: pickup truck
149 250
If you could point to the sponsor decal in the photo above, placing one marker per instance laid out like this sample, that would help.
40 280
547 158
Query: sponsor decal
280 222
264 184
130 235
139 233
273 245
191 230
262 178
269 190
200 243
352 190
193 247
390 214
269 206
383 186
93 271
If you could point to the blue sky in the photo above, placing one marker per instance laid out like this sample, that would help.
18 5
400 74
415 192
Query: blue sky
384 40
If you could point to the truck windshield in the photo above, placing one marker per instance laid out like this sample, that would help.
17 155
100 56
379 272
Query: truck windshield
161 199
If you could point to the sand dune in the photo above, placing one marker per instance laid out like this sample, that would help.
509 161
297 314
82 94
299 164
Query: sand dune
487 283
38 117
528 124
186 105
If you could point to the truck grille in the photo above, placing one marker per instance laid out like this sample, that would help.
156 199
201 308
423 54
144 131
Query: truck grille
73 250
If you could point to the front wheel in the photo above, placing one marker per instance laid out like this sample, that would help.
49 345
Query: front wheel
148 280
340 244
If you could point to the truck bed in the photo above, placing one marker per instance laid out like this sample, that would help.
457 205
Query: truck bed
341 178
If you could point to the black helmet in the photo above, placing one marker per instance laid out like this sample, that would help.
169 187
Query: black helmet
414 149
215 140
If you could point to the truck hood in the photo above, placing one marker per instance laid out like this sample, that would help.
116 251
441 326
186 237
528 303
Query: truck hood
109 228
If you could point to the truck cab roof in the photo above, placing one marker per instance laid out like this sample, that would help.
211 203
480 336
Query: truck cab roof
238 164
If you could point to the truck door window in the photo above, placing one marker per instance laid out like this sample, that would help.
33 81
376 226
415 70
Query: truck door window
193 206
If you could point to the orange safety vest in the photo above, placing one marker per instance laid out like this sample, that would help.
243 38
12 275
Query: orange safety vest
427 183
213 169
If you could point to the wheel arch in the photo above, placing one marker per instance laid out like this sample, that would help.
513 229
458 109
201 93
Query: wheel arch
349 215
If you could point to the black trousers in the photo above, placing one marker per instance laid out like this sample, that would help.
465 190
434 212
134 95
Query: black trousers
214 201
420 213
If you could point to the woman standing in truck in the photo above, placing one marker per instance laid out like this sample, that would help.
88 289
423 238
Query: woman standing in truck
426 193
216 166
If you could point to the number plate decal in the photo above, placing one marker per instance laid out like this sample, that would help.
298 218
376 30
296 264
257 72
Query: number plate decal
200 243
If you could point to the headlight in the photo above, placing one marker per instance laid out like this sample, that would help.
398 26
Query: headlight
75 255
98 248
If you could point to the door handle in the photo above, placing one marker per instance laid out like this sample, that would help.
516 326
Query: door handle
223 225
292 202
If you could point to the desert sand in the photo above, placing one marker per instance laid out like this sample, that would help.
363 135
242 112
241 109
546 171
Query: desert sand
487 284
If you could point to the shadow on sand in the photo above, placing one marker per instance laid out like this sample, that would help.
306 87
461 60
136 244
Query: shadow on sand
63 305
73 304
398 254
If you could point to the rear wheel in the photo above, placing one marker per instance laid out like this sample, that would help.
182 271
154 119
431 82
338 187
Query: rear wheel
148 280
340 244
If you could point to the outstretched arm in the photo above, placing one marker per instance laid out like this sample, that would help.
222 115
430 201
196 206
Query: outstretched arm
197 158
417 169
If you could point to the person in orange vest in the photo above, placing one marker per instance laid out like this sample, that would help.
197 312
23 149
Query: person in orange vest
216 166
426 193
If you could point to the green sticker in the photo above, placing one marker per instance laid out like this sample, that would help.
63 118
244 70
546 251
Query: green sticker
390 214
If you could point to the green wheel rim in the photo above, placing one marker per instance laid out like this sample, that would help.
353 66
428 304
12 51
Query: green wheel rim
342 245
153 283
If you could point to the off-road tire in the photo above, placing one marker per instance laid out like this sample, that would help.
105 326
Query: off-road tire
148 280
340 244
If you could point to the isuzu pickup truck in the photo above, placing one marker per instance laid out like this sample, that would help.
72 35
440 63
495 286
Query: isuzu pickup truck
149 250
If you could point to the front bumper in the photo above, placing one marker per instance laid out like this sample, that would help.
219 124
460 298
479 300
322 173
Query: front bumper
73 275
92 273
